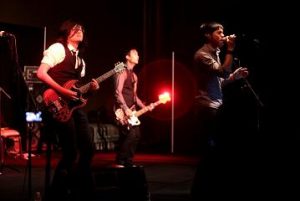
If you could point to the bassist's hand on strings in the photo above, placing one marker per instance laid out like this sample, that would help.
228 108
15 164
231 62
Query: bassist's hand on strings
128 112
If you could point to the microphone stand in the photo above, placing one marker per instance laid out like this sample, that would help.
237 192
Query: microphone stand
5 93
259 103
29 129
30 125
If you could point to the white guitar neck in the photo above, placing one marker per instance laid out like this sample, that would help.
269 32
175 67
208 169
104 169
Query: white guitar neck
146 109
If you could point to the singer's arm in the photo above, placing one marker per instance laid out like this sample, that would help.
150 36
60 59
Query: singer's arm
42 74
227 63
230 43
239 73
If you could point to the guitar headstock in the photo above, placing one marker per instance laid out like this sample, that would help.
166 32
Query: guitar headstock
165 97
119 67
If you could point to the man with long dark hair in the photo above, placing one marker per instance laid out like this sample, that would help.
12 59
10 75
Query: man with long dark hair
61 64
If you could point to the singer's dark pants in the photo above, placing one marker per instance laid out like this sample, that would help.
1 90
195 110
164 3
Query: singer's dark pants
206 179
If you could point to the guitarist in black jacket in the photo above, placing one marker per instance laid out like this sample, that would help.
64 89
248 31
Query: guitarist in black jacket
127 101
61 64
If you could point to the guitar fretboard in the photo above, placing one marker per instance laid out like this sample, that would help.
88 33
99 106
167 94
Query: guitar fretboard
85 88
144 110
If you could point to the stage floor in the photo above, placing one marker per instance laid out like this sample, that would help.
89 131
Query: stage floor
168 176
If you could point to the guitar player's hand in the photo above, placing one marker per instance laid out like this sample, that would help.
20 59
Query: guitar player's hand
94 85
72 95
128 112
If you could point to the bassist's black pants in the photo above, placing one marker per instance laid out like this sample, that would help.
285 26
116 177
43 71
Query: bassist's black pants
128 142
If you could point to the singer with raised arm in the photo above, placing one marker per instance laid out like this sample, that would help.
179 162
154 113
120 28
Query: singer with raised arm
62 63
211 75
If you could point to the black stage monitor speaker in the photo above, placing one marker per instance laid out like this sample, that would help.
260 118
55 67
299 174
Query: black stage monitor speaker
116 184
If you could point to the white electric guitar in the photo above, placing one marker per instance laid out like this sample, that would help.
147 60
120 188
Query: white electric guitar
133 119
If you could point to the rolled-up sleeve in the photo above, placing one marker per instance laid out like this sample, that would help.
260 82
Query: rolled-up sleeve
54 55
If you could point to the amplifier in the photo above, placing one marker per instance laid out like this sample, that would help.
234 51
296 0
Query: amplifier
30 74
12 141
105 136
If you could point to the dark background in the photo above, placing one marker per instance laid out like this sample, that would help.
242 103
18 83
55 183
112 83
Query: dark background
160 30
265 138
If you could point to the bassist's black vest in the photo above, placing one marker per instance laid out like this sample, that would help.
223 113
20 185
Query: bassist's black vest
65 70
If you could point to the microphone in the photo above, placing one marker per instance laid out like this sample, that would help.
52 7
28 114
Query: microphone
5 34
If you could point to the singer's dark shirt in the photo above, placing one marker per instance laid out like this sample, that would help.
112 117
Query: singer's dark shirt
210 76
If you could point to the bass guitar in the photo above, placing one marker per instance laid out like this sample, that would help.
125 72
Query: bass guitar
62 108
133 120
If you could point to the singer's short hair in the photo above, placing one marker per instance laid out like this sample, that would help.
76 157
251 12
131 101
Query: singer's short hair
121 56
208 28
